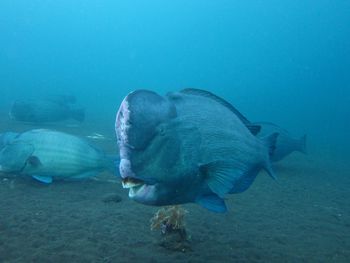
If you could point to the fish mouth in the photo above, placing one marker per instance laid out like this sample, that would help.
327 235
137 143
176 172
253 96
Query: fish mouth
136 187
128 178
139 190
130 182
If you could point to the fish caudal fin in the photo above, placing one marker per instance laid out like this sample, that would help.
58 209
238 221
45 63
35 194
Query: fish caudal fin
302 142
78 114
270 143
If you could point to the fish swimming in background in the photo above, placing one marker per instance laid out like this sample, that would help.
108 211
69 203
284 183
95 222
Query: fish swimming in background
48 155
187 146
62 99
285 144
51 109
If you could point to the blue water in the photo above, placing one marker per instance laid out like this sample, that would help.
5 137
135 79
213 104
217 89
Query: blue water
287 62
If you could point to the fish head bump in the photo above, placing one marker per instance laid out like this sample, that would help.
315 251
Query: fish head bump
145 152
139 115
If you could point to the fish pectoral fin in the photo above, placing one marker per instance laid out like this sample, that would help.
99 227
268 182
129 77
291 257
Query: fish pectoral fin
43 179
244 183
220 176
34 161
212 203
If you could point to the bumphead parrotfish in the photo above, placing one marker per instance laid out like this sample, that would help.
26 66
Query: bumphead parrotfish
48 155
46 110
187 146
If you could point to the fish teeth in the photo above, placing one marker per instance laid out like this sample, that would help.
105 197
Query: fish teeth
129 184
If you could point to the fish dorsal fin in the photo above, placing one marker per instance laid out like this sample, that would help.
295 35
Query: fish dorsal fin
262 123
254 129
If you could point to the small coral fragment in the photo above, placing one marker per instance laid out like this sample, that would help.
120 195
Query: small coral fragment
170 221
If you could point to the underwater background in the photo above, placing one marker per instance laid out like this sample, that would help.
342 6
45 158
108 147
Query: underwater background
286 62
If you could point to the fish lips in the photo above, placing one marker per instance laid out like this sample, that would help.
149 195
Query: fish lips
129 178
140 190
144 194
125 169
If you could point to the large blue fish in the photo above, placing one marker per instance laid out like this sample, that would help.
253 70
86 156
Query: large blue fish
187 146
285 144
48 155
46 110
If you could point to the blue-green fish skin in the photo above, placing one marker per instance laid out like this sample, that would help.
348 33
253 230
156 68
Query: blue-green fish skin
51 154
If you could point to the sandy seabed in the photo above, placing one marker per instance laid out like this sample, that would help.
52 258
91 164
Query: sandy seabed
302 217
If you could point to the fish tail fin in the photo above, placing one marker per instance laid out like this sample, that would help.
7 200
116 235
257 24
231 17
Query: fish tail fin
78 114
270 143
302 141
